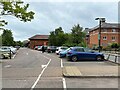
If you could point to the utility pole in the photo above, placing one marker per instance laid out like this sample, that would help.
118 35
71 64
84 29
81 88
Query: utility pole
99 34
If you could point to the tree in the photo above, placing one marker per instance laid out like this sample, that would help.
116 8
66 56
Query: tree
52 40
114 45
7 38
57 37
16 9
18 43
77 34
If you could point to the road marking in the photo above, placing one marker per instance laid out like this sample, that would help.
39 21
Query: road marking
46 57
64 84
61 63
26 53
7 66
40 75
43 66
63 79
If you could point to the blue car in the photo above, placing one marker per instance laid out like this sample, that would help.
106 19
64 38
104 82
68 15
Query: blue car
81 53
63 53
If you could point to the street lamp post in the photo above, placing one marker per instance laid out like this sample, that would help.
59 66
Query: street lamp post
99 35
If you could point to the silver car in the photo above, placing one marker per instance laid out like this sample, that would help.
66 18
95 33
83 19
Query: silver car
5 52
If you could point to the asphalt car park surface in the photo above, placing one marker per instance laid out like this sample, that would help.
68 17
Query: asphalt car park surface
33 69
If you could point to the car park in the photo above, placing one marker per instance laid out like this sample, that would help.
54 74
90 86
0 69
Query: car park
81 53
59 49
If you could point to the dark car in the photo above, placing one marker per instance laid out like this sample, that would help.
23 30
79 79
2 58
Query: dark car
51 49
80 53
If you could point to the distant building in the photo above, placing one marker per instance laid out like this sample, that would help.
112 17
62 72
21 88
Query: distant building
110 33
38 40
87 38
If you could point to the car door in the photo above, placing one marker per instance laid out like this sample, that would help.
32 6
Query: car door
89 55
80 53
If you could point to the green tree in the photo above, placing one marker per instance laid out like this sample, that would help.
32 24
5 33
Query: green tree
7 38
16 9
114 45
0 40
52 40
18 43
57 37
77 34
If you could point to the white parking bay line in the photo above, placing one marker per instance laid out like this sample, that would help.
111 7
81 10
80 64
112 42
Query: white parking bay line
64 84
33 86
63 79
61 63
7 66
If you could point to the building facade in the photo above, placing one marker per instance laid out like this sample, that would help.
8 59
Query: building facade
110 33
38 40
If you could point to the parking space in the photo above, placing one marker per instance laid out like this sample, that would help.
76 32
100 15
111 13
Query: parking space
31 68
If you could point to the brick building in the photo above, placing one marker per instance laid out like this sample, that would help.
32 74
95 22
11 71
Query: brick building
110 33
38 40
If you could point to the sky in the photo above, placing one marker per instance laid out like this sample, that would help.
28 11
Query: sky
52 14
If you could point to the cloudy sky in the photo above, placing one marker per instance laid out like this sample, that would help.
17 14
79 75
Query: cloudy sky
50 15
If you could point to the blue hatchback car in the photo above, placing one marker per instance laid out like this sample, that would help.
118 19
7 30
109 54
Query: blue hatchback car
81 53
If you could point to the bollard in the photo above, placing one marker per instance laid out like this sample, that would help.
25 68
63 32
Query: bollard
115 59
108 57
10 53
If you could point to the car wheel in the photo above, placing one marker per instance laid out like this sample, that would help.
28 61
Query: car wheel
99 58
74 58
2 56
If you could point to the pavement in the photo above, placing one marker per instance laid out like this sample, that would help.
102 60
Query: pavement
92 71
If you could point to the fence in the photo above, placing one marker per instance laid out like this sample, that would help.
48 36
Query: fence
112 57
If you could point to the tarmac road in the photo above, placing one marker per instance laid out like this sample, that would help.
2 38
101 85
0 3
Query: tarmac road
33 69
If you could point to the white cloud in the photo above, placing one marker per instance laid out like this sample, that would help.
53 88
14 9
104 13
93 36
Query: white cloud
50 15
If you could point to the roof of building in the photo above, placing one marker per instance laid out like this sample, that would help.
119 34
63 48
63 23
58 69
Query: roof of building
106 25
39 37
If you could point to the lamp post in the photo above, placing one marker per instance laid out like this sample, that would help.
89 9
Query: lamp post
99 35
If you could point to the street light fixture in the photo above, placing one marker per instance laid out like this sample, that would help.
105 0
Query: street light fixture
99 35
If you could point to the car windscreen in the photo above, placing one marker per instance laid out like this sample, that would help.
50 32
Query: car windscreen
64 48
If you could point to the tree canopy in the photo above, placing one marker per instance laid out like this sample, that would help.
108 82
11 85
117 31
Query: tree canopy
57 37
16 9
75 38
7 38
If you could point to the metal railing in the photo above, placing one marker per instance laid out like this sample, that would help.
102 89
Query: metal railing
112 57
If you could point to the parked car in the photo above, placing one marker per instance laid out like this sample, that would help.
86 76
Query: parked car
63 53
80 53
17 47
59 49
13 50
51 49
39 48
36 47
5 52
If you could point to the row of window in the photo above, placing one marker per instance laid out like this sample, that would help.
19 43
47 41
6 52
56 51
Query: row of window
113 30
105 38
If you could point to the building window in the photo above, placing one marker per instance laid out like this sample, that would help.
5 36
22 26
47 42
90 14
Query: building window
113 30
113 38
104 30
104 38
